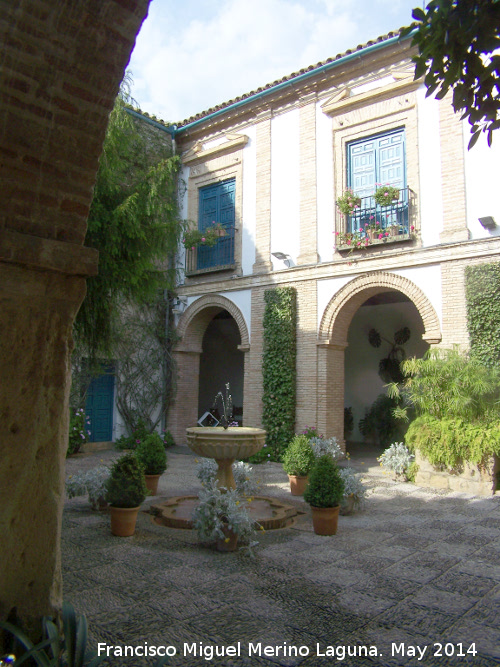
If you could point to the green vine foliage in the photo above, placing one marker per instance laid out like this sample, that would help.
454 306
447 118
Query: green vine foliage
133 223
449 442
482 291
279 368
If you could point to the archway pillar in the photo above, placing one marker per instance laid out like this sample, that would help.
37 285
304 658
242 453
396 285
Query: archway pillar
330 417
184 410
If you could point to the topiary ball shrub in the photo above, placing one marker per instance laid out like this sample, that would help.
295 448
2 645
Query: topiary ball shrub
151 453
326 486
298 458
126 486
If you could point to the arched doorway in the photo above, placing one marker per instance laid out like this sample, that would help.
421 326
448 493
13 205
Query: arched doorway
221 362
334 332
213 344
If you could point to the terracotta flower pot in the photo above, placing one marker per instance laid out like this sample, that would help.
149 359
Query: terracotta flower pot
123 520
230 541
298 484
152 483
325 520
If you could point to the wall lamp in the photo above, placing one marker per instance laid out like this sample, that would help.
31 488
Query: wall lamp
179 305
284 258
488 222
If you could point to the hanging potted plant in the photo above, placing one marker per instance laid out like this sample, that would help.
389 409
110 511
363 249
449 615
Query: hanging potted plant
125 491
386 194
151 453
193 238
348 202
324 494
298 460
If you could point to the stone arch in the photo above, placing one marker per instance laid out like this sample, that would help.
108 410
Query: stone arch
194 321
62 66
340 311
332 339
191 328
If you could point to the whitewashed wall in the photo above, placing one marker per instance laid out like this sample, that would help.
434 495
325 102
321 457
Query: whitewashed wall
429 155
325 195
285 186
248 217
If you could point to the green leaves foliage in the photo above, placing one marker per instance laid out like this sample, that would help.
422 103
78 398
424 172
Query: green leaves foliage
482 292
133 223
326 486
126 486
456 40
151 453
298 458
279 368
449 442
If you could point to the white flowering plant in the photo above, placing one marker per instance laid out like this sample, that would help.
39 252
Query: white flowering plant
242 472
396 458
330 446
78 431
91 482
353 487
220 508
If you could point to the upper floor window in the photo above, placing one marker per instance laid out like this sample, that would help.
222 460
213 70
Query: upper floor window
373 162
216 206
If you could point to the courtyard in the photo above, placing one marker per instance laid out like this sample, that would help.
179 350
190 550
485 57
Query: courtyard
412 579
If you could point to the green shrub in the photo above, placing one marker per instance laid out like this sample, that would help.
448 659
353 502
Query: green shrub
168 439
450 442
78 431
151 453
482 294
279 368
298 458
380 424
326 486
126 486
139 432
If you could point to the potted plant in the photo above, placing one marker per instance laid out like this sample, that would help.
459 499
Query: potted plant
354 491
393 230
151 453
203 237
125 491
348 202
91 482
222 518
298 460
324 494
386 194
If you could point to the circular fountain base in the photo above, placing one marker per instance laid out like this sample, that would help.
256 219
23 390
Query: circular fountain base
267 512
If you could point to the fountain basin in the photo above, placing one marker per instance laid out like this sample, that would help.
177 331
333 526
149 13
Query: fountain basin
225 445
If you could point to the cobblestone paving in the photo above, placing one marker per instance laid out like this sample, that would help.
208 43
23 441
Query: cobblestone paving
416 570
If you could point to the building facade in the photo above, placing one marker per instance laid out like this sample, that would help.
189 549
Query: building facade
269 167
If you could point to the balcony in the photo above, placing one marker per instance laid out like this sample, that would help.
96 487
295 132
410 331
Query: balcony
398 214
207 259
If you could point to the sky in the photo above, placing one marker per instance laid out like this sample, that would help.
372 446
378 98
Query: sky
191 55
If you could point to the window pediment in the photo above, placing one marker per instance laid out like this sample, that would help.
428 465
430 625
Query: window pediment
203 150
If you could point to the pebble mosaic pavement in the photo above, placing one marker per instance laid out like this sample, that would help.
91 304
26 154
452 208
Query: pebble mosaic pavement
418 567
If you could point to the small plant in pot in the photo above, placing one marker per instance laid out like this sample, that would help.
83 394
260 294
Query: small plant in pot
92 483
151 453
298 460
324 494
125 491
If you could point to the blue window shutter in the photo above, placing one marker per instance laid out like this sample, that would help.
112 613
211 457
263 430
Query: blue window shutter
379 159
216 204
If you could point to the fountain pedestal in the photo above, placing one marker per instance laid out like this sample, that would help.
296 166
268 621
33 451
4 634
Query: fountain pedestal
225 445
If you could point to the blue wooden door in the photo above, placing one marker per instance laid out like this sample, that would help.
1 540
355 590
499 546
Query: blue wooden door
216 204
99 407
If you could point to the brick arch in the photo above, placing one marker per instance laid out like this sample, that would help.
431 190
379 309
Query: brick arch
341 309
194 321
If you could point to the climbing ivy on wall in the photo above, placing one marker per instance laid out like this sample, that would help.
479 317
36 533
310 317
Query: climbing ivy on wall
482 291
279 368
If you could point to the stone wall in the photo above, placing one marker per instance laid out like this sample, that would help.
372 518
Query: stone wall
477 480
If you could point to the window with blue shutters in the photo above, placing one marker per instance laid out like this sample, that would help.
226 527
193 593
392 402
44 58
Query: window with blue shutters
216 205
371 162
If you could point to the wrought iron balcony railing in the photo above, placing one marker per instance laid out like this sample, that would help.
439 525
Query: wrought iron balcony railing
219 257
398 214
